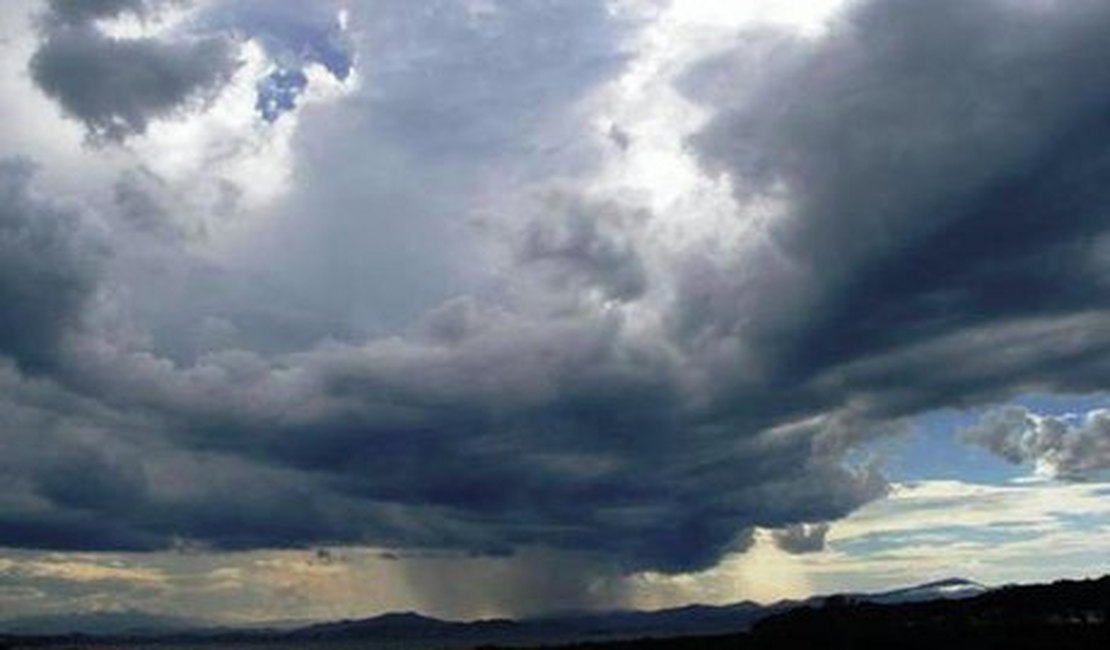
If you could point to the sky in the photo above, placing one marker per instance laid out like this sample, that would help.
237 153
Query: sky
327 308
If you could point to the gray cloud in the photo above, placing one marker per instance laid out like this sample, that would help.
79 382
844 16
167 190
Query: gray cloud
82 12
81 476
552 433
49 262
472 104
801 538
115 87
488 80
583 246
1065 447
137 196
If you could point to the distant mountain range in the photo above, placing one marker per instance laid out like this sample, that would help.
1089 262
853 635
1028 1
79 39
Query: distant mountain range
100 623
690 620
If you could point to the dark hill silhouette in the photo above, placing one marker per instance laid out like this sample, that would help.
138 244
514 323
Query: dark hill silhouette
402 626
1062 615
100 623
1065 615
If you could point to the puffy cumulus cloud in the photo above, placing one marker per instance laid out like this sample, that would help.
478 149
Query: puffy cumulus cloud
117 86
1063 447
619 391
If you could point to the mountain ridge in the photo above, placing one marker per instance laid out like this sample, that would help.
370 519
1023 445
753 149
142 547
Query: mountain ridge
694 618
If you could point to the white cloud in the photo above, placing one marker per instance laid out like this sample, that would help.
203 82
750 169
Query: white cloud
1025 531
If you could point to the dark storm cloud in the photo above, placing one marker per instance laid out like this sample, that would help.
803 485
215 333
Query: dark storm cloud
48 266
944 170
80 476
1069 448
115 87
556 432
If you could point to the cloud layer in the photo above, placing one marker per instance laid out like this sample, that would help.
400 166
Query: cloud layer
917 220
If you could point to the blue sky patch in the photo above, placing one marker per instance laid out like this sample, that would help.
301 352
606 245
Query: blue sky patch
278 92
294 35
